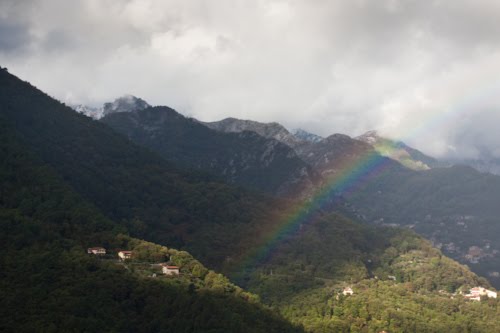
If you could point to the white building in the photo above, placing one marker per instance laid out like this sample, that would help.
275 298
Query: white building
125 255
347 291
170 270
476 293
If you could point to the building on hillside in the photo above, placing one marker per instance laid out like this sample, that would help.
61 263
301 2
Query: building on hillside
476 293
347 291
125 255
170 270
96 250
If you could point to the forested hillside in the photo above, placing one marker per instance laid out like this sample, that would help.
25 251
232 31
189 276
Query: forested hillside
69 183
454 206
400 283
143 192
49 283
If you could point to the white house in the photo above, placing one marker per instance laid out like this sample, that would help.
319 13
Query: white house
347 291
125 255
476 293
96 250
170 270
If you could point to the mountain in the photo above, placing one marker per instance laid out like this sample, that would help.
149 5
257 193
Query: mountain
69 183
126 103
455 207
306 136
399 151
49 282
332 154
152 198
243 158
414 159
266 130
398 282
89 111
484 163
458 216
324 155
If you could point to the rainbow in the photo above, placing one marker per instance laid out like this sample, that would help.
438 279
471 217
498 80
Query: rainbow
352 175
350 178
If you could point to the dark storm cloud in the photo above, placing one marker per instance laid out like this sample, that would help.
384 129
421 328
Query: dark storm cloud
328 66
13 37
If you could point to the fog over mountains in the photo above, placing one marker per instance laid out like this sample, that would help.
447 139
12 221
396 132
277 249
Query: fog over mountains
69 182
316 66
300 139
260 166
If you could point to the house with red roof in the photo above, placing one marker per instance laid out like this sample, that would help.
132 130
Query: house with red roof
170 270
125 254
96 251
476 293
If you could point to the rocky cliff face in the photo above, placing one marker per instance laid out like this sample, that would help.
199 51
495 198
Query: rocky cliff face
328 155
324 155
240 157
306 136
267 130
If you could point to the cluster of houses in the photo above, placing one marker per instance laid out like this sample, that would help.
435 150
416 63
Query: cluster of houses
473 295
476 293
125 255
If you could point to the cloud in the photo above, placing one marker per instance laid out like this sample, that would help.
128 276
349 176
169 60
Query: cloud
423 71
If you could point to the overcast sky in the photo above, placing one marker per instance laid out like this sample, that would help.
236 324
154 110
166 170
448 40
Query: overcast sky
424 71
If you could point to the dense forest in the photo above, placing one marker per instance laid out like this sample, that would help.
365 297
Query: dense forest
50 284
69 183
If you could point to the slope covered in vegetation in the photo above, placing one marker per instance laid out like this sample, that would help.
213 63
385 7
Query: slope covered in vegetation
400 283
49 283
69 183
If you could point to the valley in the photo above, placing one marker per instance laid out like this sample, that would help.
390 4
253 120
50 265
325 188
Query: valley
70 182
387 198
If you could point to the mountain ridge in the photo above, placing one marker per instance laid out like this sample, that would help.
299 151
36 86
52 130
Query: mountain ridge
243 158
152 199
399 151
125 103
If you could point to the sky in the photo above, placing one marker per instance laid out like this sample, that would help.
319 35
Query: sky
426 72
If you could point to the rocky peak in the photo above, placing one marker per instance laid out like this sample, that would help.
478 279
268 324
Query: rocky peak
339 138
268 130
370 137
126 103
89 111
306 136
398 151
